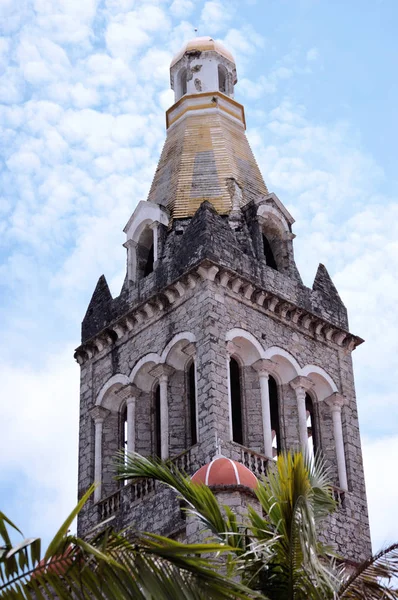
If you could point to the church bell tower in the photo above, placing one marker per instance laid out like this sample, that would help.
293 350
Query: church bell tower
214 355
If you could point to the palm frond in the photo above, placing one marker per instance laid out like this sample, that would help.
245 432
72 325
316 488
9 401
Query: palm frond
373 578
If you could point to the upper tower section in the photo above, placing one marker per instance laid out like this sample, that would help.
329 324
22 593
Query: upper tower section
203 65
206 147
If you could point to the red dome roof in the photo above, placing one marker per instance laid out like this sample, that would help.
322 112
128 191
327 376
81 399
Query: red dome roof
225 471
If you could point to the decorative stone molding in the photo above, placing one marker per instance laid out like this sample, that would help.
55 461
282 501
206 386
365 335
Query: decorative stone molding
301 385
336 402
98 414
162 372
230 282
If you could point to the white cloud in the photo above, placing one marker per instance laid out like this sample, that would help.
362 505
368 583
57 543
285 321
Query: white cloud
215 16
380 460
181 9
312 54
127 33
38 445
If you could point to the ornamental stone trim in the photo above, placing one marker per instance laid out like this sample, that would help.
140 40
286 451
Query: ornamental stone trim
232 283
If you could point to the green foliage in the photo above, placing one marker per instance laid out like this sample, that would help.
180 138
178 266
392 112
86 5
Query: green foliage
111 566
279 554
275 555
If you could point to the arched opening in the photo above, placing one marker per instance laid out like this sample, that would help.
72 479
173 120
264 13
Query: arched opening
269 255
311 432
222 79
158 426
274 410
192 404
145 254
182 80
236 401
123 436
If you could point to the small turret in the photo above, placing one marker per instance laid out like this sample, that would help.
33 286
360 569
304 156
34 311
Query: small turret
203 65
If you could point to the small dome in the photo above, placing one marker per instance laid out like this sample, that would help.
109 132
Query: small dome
225 471
201 44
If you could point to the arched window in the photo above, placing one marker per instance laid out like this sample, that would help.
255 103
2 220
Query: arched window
269 255
236 401
222 79
312 441
182 80
145 254
123 436
274 410
158 427
192 404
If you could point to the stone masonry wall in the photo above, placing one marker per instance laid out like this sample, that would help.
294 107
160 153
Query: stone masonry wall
209 311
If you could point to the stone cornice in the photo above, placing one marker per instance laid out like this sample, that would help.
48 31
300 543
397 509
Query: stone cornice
234 284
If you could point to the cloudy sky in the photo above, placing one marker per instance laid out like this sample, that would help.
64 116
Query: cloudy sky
83 89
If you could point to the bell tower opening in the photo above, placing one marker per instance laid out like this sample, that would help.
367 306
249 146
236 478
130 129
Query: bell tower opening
269 255
158 425
145 254
222 79
236 401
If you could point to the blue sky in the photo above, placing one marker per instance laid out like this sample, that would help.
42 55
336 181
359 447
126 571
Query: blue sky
83 90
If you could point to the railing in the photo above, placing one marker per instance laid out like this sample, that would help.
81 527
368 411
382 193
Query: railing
138 488
109 506
184 462
257 463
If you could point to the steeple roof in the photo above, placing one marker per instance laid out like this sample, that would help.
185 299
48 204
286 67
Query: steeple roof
202 44
206 145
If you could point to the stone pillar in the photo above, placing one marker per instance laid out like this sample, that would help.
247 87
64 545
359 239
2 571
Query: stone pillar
262 367
98 414
336 402
131 246
162 373
154 227
301 385
128 394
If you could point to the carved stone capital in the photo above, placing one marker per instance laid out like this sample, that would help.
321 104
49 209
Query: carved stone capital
128 392
301 382
232 349
130 244
189 349
264 367
162 371
99 414
336 401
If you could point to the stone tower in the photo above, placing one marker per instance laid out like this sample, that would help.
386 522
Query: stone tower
214 342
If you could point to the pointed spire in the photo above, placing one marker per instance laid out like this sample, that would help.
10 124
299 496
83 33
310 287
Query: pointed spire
99 311
323 283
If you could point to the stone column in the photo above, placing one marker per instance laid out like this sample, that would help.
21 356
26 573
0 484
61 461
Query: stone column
98 414
154 227
131 246
336 402
128 394
301 385
262 367
162 373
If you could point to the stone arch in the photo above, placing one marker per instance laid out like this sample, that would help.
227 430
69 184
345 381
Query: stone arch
284 366
324 385
141 372
244 345
274 229
179 354
106 396
173 354
182 80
